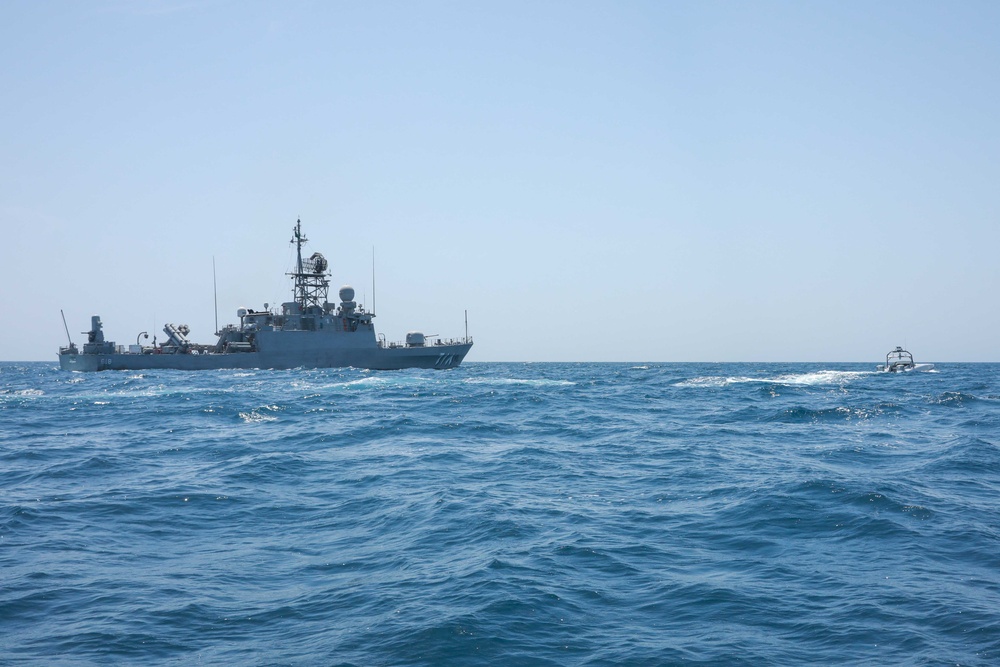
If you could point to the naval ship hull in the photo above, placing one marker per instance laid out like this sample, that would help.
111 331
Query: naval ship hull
434 356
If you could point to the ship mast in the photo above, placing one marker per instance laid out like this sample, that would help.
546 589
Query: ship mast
310 276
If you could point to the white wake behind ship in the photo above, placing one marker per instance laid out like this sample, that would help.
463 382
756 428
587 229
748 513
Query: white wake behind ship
307 332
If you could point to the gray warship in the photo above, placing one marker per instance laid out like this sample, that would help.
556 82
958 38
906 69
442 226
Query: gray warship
307 332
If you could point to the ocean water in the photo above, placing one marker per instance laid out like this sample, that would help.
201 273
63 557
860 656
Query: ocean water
501 514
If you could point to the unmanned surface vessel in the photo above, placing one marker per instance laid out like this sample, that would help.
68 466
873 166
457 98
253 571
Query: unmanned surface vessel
308 332
899 360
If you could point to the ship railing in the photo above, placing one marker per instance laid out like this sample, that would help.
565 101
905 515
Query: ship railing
438 342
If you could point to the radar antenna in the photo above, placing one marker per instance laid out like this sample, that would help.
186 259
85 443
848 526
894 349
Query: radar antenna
310 275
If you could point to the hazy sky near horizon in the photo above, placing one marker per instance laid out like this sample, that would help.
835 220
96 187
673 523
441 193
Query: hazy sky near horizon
592 181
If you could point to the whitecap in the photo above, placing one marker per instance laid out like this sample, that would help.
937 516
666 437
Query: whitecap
521 381
254 417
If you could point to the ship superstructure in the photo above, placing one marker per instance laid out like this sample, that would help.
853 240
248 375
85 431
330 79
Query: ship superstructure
306 332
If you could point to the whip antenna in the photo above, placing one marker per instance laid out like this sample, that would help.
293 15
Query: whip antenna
215 293
66 327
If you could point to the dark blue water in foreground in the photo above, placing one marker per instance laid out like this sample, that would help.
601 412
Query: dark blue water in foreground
501 514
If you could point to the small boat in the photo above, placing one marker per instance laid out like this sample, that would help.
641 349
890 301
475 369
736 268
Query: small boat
899 360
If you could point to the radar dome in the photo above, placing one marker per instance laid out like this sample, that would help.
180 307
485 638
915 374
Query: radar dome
347 293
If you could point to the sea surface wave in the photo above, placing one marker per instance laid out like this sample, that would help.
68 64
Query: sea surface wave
500 513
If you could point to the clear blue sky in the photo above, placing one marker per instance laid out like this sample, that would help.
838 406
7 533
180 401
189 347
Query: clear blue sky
602 181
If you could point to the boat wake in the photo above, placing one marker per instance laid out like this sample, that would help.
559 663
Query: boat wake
826 377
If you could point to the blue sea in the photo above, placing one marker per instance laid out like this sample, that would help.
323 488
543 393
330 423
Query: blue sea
501 514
